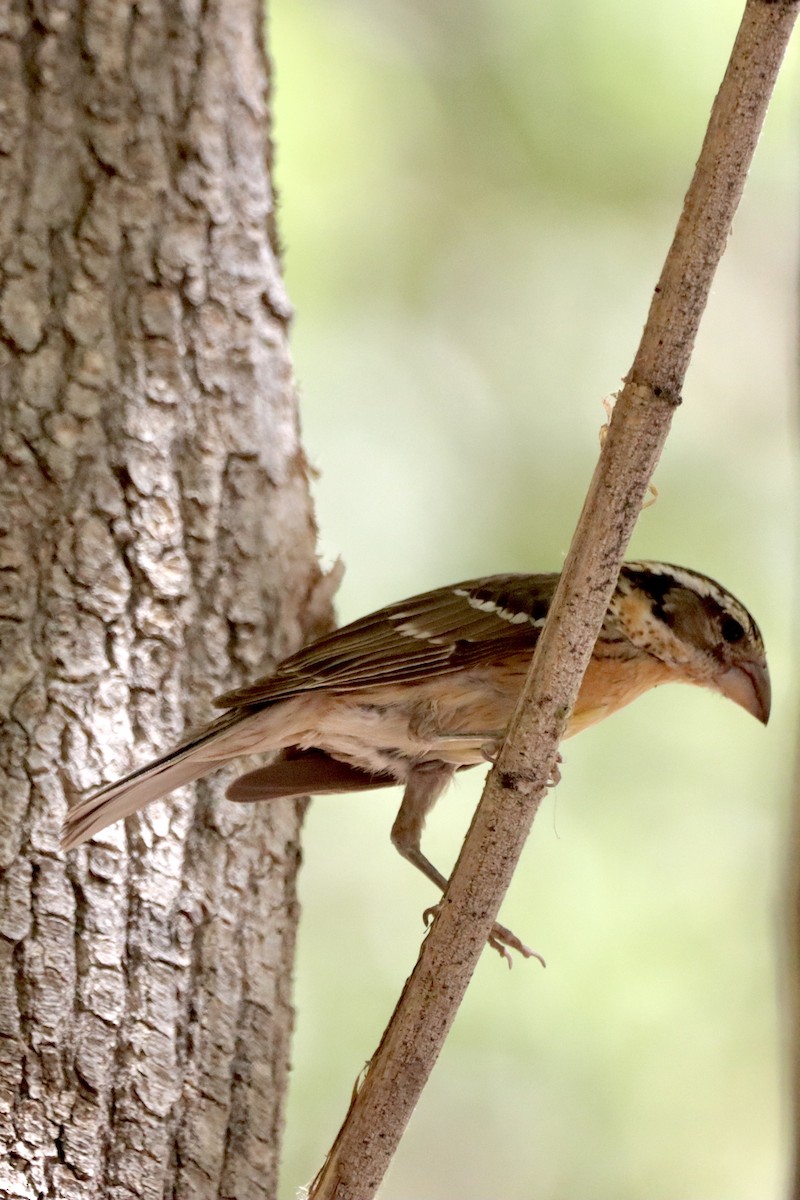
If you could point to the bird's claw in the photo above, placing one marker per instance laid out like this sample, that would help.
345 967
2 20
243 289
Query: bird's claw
504 941
500 939
555 774
490 751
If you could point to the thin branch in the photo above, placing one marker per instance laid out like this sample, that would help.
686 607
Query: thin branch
411 1043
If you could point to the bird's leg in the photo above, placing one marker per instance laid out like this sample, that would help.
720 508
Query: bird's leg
489 742
489 738
424 786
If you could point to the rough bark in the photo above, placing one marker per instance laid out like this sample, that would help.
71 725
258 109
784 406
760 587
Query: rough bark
156 545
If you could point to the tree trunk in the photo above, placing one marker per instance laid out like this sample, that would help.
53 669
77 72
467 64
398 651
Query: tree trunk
156 546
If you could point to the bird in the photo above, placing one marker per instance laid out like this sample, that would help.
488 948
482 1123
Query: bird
427 686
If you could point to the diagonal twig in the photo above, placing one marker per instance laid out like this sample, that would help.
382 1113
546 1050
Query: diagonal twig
425 1011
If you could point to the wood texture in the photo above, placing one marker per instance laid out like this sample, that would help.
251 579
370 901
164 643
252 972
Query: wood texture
156 546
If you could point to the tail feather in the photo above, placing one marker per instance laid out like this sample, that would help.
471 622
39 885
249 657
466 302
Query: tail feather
234 733
181 765
117 800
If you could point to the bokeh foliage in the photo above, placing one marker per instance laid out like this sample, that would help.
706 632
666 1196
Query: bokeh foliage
476 200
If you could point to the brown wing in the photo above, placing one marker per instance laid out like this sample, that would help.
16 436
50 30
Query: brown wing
304 773
431 634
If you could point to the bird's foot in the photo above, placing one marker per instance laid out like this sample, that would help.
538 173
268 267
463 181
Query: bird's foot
500 939
491 750
555 774
504 941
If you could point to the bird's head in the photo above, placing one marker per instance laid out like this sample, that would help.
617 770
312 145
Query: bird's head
697 628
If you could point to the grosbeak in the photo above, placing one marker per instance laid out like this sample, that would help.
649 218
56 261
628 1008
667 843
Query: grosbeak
426 687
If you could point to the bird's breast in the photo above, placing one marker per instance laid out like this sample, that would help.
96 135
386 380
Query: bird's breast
612 682
456 718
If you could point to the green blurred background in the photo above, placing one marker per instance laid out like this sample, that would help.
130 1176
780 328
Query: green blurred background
476 202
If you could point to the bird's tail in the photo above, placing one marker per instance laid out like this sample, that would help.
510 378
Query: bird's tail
186 762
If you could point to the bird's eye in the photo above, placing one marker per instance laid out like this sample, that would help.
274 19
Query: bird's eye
731 629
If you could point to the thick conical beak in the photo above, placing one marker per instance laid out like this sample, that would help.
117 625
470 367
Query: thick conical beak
748 684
